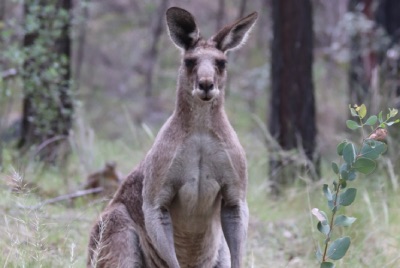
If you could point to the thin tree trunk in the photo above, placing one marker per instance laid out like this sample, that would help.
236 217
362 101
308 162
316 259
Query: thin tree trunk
2 9
152 54
388 16
361 63
292 116
220 15
242 9
81 42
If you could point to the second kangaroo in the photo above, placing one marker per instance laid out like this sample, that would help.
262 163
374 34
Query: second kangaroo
185 204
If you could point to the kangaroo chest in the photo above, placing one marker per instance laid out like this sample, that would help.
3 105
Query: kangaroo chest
201 165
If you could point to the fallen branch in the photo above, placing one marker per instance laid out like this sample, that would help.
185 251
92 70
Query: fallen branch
64 197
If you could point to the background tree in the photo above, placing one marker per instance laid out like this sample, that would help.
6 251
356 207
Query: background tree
388 16
157 28
292 115
362 55
47 102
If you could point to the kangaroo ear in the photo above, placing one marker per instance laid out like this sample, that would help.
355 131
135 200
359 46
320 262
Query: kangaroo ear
182 27
235 35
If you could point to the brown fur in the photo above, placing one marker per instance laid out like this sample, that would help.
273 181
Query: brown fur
108 178
185 204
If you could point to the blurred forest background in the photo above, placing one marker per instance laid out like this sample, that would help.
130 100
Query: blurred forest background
84 83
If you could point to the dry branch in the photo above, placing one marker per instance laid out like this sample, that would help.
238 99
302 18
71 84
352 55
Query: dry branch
70 196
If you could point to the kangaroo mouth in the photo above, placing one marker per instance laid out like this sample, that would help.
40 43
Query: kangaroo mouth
205 96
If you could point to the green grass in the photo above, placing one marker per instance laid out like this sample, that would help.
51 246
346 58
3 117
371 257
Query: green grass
281 231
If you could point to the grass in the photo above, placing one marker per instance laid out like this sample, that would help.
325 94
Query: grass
281 232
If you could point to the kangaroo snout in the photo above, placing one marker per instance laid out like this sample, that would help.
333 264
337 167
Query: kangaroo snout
206 85
205 90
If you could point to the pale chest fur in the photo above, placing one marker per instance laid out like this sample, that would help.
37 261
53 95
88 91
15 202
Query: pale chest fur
200 167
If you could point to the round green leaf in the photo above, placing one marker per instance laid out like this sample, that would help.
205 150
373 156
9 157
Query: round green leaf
380 117
327 265
372 149
393 112
347 197
392 122
344 174
335 168
352 124
327 192
344 221
353 112
371 120
364 165
338 248
340 147
352 175
323 228
362 111
349 153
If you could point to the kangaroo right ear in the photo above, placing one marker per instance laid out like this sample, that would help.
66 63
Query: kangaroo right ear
182 28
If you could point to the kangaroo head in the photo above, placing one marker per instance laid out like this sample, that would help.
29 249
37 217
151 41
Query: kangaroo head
204 62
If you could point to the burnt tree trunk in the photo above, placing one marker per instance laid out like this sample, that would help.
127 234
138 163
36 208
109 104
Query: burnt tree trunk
47 102
292 114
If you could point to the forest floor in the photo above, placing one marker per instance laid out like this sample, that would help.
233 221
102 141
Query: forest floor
282 232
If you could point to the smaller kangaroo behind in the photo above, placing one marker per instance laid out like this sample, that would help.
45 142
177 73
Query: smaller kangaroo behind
108 178
185 204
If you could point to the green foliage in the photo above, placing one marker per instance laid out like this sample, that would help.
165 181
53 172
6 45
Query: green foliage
45 71
353 159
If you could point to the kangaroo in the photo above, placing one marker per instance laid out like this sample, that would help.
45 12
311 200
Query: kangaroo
185 204
108 178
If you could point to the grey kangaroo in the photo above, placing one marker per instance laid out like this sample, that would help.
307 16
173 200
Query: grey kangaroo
185 203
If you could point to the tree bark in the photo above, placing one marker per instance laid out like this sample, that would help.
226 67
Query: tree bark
152 53
220 15
242 9
47 102
362 60
388 16
292 114
80 46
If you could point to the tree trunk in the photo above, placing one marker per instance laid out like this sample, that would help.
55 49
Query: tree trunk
292 115
362 59
47 102
242 9
152 54
220 15
388 16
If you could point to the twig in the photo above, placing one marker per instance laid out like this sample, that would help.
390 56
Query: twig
64 197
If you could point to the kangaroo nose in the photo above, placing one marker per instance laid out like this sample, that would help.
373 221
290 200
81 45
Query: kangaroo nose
206 85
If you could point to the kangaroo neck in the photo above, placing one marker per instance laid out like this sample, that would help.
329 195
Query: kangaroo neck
194 113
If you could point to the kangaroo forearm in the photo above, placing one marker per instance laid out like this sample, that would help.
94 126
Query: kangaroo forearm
159 227
234 225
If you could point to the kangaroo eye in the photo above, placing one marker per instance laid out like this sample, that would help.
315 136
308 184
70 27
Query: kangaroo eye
190 63
221 64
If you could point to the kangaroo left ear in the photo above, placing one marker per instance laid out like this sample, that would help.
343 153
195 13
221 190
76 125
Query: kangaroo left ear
234 36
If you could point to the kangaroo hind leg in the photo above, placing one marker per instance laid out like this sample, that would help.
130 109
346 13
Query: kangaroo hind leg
114 241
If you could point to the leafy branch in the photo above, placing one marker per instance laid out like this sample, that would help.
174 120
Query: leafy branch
353 160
